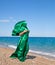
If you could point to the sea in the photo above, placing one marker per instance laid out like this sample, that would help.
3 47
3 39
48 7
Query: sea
40 45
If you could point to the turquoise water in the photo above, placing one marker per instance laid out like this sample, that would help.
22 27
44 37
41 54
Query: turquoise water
41 45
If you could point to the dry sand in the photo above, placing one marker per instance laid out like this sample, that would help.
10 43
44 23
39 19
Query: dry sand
32 59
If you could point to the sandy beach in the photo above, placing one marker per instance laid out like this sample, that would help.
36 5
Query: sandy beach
32 59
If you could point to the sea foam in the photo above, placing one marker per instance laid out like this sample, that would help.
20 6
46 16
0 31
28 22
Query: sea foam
37 52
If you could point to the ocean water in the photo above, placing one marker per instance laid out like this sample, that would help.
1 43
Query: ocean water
39 45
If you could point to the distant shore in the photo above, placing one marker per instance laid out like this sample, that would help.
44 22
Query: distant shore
32 59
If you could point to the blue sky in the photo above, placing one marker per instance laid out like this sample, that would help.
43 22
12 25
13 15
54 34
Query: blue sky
39 14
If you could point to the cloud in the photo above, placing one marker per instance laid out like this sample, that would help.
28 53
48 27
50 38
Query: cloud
4 20
11 17
8 20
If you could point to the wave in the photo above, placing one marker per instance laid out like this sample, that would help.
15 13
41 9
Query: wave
12 46
37 52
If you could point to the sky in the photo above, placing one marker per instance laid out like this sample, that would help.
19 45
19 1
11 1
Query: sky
39 15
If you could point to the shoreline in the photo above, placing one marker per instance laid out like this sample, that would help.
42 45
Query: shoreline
33 52
44 54
32 58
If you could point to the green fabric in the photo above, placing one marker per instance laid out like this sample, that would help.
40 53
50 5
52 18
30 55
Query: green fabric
19 27
23 46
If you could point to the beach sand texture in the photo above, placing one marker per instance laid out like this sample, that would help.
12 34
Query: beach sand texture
32 59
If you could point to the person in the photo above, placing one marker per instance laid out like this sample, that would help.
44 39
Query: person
21 29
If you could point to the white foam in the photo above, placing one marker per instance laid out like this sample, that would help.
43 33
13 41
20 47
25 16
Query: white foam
37 52
12 46
43 53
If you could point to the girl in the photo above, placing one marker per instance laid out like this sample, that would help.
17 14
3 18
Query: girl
22 49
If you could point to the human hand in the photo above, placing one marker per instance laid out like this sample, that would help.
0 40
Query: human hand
23 32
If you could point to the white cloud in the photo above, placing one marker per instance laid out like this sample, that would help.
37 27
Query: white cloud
11 17
4 20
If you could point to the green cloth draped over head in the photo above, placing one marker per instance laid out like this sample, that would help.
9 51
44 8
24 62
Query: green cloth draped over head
23 46
19 27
